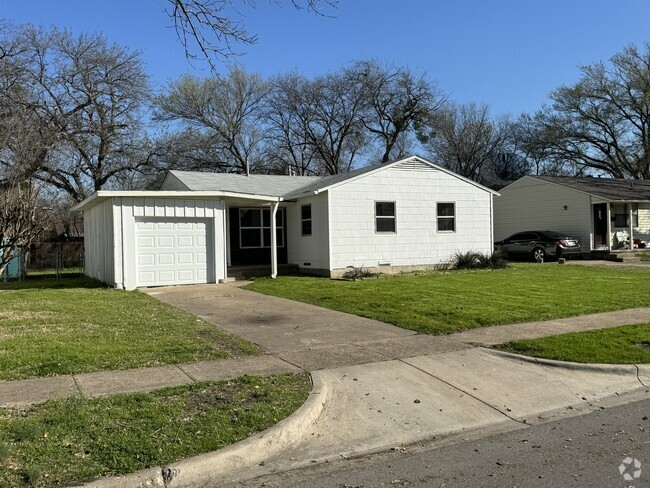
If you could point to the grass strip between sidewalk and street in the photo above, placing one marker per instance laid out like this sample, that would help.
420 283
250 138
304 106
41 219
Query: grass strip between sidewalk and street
76 439
77 325
627 344
443 302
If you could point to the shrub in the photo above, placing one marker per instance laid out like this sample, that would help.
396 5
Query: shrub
357 273
478 260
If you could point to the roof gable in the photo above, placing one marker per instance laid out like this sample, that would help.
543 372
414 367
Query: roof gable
414 163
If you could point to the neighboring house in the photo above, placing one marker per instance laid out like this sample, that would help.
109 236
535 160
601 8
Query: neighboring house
396 216
602 212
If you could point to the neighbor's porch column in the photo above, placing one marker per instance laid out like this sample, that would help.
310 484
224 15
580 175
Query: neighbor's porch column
609 226
274 240
631 222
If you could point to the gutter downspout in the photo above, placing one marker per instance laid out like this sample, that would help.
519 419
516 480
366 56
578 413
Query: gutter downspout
274 239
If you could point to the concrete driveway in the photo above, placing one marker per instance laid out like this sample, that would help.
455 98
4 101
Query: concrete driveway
304 335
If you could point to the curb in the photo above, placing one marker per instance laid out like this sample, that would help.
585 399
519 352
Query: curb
618 369
147 478
200 470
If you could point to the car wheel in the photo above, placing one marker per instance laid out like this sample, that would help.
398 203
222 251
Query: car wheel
538 254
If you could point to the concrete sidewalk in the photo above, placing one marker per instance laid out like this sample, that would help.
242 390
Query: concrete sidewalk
25 392
374 407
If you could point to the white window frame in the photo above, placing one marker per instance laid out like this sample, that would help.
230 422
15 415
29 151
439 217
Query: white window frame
261 228
386 217
447 217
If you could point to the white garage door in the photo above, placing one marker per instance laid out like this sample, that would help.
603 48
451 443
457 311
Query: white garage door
172 252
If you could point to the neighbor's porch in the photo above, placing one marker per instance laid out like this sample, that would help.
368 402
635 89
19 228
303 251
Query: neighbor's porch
621 226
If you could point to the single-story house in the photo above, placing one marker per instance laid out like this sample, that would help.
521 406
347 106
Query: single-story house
198 226
604 213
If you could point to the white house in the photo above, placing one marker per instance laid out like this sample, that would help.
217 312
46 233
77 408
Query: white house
402 215
602 212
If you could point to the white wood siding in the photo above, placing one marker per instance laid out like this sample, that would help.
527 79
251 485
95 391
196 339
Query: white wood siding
98 243
309 252
531 204
415 189
643 231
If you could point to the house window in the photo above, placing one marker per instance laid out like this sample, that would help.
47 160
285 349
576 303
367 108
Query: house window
385 217
255 228
446 217
621 214
305 219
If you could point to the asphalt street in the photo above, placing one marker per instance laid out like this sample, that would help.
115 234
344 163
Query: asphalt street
584 451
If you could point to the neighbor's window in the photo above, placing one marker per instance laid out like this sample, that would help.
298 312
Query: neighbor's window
305 219
385 217
447 217
621 215
255 227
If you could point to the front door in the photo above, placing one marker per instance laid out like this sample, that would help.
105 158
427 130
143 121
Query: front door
600 224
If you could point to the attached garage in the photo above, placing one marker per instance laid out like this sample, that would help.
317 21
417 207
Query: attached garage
155 238
170 252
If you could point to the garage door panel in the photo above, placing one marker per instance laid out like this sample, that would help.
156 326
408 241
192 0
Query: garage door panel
146 259
165 241
186 241
164 259
172 252
146 242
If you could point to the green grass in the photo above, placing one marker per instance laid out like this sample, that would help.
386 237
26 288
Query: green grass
76 439
628 344
442 302
77 325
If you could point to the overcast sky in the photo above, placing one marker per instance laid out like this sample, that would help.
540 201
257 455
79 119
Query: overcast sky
506 53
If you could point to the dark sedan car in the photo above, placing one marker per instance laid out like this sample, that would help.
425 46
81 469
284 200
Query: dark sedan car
539 244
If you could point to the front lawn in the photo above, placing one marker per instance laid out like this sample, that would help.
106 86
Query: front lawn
76 325
628 344
75 439
442 302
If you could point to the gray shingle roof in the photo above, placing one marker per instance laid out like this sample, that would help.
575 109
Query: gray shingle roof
608 188
268 185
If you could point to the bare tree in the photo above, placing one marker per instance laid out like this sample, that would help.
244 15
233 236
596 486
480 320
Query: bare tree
324 117
224 111
287 116
602 122
215 27
82 97
398 100
464 139
22 218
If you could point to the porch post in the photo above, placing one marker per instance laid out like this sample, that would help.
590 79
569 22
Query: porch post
609 226
631 222
274 240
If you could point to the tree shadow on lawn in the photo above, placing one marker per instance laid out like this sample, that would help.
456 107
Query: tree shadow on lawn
49 281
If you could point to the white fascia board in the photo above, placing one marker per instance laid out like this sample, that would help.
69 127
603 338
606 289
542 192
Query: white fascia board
102 195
